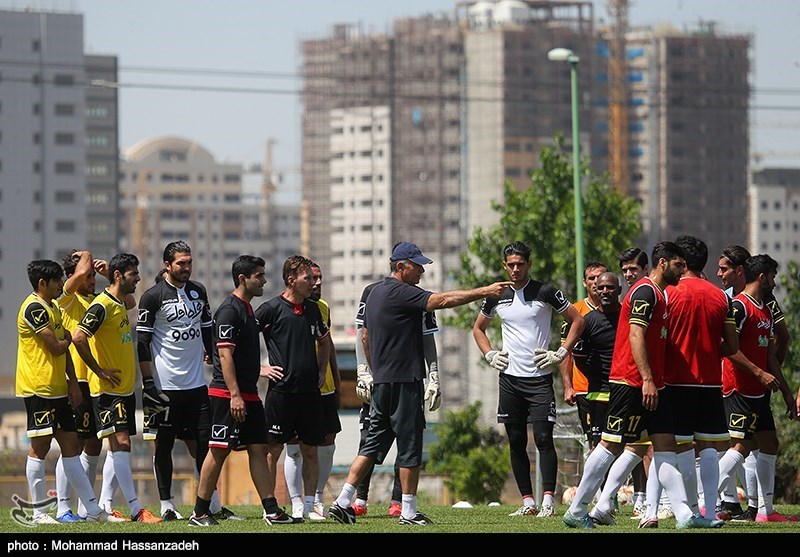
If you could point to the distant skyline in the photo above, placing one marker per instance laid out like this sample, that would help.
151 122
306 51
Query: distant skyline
226 73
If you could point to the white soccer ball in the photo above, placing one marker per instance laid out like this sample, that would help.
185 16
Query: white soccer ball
568 495
741 493
625 495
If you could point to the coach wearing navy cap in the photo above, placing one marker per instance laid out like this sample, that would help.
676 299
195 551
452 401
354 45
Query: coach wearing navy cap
393 343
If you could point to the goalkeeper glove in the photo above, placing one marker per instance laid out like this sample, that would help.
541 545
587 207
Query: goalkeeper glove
543 358
497 359
433 393
364 383
152 398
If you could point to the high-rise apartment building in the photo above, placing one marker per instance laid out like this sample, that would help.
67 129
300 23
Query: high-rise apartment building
173 189
689 134
774 201
51 151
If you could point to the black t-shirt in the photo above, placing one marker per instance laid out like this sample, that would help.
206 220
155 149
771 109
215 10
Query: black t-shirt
595 349
235 325
393 316
291 332
429 323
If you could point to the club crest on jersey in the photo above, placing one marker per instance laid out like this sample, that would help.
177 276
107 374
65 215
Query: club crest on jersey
39 316
193 294
560 297
640 307
219 431
143 313
225 331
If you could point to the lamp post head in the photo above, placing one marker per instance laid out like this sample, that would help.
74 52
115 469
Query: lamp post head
562 55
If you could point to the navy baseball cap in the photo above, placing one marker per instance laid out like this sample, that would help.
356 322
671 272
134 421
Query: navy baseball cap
407 250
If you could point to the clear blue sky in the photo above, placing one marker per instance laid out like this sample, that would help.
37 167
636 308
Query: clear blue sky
261 37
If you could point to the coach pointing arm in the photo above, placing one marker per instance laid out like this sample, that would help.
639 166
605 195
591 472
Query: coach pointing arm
453 298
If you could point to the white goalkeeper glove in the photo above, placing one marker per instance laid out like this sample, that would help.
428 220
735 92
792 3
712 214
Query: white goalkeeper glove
364 383
152 398
433 392
543 358
497 359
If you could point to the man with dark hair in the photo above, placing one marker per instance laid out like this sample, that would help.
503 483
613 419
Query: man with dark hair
299 346
633 264
174 341
237 414
395 351
46 380
748 379
576 385
635 408
526 394
104 341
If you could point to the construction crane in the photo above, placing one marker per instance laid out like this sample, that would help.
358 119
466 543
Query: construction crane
618 130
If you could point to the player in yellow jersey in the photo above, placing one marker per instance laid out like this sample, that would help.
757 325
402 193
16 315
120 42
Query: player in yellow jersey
104 341
46 380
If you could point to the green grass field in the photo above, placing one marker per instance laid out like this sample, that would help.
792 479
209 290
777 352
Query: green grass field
447 520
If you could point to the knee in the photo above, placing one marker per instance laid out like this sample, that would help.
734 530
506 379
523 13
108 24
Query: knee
293 452
544 441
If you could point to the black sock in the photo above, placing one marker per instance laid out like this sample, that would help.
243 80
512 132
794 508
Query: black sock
270 505
201 506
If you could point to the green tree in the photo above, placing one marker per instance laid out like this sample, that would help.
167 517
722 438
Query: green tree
543 216
474 459
787 474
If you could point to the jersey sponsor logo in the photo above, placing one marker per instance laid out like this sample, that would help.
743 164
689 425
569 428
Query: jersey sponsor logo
225 332
763 324
640 307
763 341
219 431
39 316
560 298
177 311
143 313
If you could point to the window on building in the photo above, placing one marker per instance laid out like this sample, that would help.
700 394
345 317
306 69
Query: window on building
63 109
764 225
65 196
65 138
777 205
65 226
777 225
64 80
65 167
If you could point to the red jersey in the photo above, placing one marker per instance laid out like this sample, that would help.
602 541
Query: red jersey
698 312
644 305
579 381
755 327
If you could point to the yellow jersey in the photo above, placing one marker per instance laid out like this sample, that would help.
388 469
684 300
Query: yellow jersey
73 307
107 325
328 386
39 371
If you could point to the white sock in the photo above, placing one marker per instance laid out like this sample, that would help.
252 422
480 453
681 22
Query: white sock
63 489
670 479
617 475
361 502
167 505
700 489
751 489
308 504
528 501
727 472
110 483
685 461
325 458
653 492
89 465
709 479
345 498
292 471
765 476
37 484
594 471
78 480
409 504
122 470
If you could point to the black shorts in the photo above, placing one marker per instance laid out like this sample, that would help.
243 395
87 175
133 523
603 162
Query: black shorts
396 413
227 433
330 411
114 413
292 415
598 410
584 410
188 415
84 415
47 415
526 399
698 413
747 415
625 419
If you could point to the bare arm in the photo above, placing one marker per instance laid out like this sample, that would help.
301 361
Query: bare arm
55 346
83 267
576 326
639 350
781 341
365 344
337 378
730 340
324 349
453 298
479 332
238 409
81 342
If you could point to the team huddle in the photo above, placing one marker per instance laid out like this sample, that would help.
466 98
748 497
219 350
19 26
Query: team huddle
676 374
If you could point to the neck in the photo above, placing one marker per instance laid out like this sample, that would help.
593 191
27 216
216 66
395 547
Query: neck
115 290
658 278
754 291
293 296
694 274
46 297
521 282
175 283
241 293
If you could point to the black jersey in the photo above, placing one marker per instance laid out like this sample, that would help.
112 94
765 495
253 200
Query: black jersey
291 332
235 325
594 351
429 323
171 329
